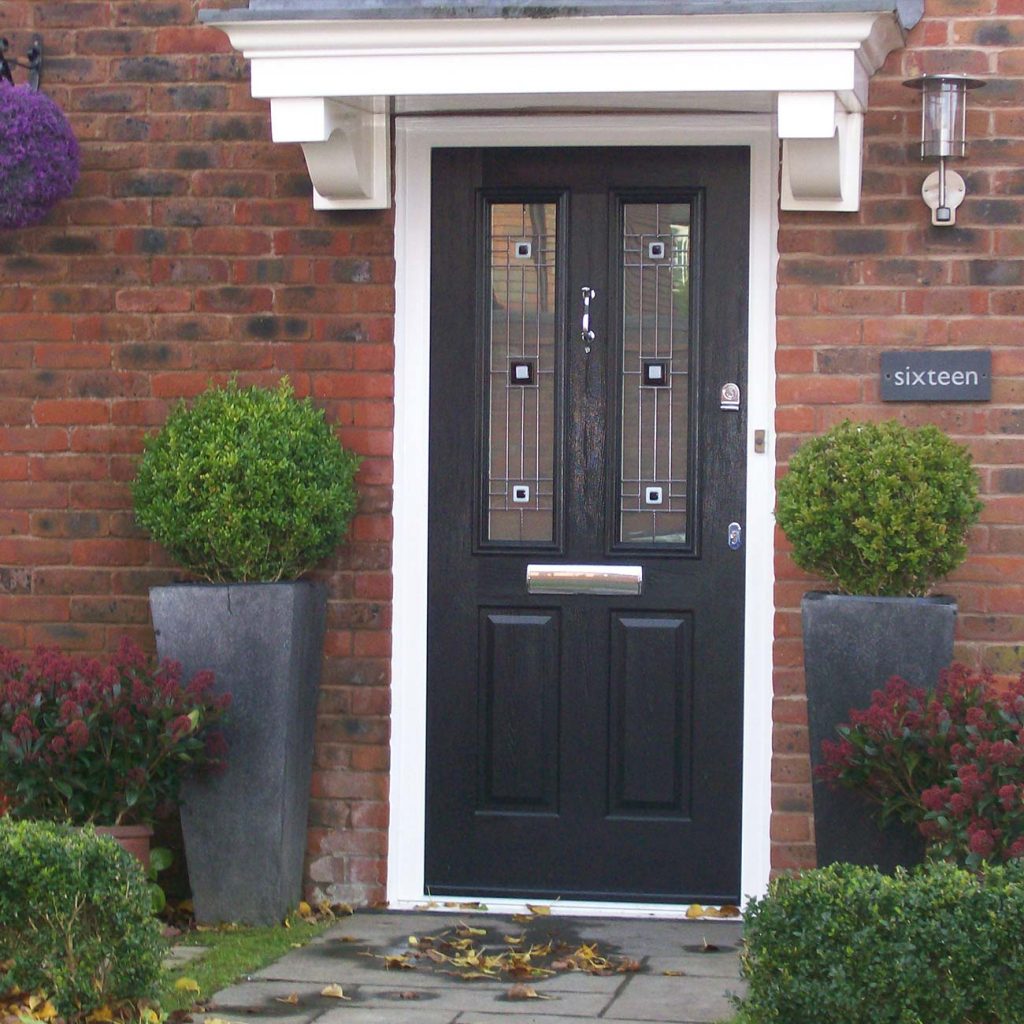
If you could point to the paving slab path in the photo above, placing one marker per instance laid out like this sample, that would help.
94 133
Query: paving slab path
687 972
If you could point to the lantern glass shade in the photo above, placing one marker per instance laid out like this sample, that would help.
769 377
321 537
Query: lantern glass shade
944 113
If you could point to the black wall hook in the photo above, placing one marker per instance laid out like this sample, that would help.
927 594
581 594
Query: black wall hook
33 63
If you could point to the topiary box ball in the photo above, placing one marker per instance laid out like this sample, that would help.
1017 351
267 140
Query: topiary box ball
246 485
38 156
879 509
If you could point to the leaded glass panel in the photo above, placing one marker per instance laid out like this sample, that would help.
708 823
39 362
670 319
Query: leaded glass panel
521 378
655 385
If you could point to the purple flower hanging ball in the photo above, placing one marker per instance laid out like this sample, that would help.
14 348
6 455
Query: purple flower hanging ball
38 156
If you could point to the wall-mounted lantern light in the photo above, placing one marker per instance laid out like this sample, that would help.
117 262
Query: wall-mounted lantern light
943 135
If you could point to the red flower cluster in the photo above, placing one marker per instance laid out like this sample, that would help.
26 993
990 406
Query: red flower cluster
83 740
951 763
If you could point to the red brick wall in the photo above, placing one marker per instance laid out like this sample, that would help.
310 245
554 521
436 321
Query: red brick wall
851 285
189 251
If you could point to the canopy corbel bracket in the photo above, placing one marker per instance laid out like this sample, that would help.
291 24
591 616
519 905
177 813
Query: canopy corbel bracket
346 143
821 152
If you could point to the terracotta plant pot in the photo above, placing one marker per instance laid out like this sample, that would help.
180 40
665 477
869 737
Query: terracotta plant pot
133 839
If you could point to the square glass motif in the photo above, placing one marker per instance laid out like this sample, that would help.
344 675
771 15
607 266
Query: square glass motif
655 373
521 372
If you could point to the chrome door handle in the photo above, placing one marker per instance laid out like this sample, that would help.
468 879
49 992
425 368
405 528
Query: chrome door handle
586 334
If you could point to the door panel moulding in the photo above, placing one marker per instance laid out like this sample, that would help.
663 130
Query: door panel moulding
330 82
415 139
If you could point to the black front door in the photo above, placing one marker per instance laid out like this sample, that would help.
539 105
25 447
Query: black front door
588 360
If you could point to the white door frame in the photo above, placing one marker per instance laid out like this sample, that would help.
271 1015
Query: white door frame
416 137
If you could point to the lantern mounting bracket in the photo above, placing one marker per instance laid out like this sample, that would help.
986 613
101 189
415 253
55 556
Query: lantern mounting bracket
33 63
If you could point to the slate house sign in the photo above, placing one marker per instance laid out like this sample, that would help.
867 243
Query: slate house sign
937 376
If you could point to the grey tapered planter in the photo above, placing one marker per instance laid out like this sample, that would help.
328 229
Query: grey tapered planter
852 646
245 829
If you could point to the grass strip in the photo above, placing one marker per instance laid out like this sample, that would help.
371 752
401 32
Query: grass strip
233 953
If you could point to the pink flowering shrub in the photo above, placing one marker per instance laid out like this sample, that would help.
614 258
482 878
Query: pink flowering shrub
82 740
951 763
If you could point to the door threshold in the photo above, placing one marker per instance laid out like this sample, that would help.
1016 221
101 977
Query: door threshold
558 908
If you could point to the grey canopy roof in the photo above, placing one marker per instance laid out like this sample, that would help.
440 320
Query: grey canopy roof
908 12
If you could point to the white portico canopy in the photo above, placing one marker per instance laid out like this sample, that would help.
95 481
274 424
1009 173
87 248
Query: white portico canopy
335 71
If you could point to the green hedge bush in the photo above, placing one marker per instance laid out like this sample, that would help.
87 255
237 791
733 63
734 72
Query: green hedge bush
879 508
246 485
849 945
76 918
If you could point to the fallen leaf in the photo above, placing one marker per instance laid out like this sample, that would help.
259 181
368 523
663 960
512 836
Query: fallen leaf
695 910
343 909
186 985
466 906
292 999
519 971
464 930
517 992
432 905
628 966
729 911
674 974
522 918
538 910
102 1014
709 947
304 908
514 940
335 992
409 995
400 962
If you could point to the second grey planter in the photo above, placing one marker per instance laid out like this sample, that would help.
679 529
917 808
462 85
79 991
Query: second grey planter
245 829
852 646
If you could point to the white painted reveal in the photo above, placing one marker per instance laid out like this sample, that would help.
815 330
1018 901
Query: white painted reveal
330 82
